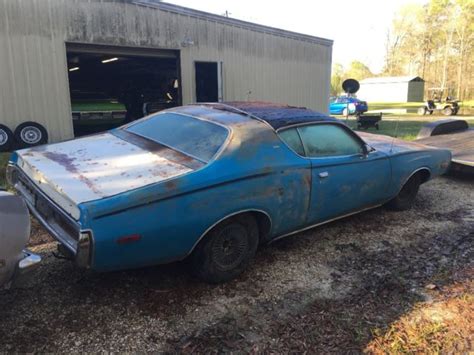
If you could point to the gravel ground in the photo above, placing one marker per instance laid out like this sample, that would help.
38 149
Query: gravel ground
326 289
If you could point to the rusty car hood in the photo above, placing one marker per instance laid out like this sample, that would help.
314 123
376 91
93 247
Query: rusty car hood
93 168
390 145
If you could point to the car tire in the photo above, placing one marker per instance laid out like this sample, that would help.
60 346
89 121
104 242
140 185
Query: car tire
227 250
447 111
406 197
6 139
30 134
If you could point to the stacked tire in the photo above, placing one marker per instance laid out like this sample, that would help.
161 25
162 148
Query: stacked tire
6 138
26 135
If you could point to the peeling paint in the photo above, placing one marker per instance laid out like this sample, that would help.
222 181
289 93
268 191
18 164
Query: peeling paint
99 166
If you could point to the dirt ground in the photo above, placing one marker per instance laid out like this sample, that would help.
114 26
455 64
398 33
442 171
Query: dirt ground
337 288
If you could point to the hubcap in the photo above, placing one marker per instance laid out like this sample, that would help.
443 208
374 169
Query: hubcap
3 137
230 246
30 135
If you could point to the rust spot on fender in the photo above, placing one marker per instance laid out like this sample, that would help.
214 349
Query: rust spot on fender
171 185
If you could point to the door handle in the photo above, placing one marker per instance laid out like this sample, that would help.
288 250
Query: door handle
323 175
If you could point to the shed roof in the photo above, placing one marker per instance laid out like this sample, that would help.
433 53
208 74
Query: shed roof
276 115
391 79
231 21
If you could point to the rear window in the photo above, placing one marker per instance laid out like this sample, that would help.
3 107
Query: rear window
194 137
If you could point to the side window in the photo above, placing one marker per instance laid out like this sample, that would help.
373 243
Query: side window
325 140
292 138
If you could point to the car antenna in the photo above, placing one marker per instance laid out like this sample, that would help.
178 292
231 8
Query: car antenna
395 135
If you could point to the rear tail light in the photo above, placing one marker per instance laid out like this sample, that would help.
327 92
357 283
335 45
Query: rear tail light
84 249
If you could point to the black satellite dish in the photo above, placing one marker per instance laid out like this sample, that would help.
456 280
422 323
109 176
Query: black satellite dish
350 86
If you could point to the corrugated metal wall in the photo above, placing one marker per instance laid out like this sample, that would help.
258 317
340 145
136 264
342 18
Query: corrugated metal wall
33 69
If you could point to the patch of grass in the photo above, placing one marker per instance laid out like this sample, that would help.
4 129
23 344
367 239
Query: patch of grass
430 328
406 128
394 105
3 164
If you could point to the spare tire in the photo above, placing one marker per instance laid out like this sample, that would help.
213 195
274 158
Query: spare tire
29 134
6 138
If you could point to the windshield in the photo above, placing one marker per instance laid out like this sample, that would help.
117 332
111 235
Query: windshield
194 137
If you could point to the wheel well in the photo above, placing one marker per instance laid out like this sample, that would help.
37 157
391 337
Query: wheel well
424 175
264 224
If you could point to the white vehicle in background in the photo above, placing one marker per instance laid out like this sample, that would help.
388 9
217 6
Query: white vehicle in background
15 260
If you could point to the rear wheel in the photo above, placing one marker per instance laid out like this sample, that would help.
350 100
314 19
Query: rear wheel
226 251
406 197
6 138
422 111
447 111
30 134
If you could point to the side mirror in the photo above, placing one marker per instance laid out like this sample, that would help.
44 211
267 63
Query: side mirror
366 149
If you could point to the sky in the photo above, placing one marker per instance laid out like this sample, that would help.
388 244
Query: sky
358 28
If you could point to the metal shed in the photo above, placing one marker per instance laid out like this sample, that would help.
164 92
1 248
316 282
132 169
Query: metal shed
42 40
392 89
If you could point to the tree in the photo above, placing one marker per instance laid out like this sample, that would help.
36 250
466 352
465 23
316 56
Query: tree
358 70
337 77
436 42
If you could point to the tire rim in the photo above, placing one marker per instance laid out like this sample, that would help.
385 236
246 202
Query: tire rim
3 137
31 135
230 247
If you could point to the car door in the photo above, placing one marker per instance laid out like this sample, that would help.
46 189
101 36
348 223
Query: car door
346 175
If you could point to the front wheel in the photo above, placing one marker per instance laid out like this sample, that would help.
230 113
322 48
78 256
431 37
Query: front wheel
406 197
422 111
227 250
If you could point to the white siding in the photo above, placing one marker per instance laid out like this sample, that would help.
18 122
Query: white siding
383 92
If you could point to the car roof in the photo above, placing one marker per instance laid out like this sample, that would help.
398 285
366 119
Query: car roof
276 115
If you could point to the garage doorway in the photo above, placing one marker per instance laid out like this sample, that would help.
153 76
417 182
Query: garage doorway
208 81
111 86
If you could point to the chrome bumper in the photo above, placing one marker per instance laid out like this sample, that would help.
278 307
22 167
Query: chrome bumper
79 244
28 263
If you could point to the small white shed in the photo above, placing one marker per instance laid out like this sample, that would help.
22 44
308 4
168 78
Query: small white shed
392 89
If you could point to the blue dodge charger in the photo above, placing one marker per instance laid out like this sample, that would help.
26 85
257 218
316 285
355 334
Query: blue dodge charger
212 182
340 105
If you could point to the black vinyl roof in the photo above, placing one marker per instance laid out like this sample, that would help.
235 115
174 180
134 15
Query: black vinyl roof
276 115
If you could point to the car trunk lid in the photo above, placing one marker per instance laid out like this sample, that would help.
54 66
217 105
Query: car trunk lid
97 167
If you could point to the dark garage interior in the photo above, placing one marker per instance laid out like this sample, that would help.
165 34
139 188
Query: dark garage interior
109 89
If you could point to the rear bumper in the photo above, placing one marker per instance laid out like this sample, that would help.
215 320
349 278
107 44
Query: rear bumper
78 242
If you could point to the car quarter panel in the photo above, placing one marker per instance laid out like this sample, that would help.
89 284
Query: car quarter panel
255 172
408 157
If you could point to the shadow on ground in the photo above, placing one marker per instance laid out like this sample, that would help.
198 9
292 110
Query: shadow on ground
325 290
